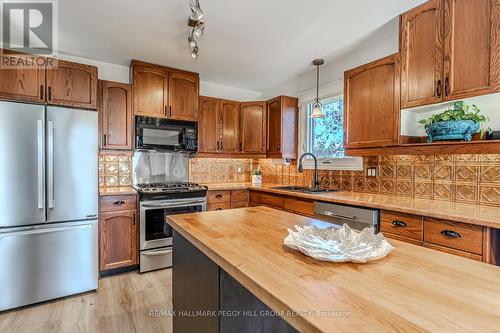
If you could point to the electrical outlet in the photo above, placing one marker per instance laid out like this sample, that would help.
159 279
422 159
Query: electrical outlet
239 168
371 172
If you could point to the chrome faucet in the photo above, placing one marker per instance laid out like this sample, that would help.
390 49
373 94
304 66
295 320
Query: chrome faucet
301 168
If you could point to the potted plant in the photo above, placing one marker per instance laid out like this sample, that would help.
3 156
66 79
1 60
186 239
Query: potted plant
459 122
257 176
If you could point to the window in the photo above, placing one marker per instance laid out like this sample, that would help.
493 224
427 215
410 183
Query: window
324 137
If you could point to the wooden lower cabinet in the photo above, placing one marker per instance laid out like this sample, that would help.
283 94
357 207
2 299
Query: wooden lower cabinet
227 199
403 226
288 203
462 239
118 231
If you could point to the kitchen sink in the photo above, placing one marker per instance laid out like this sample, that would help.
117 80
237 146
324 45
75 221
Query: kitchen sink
303 189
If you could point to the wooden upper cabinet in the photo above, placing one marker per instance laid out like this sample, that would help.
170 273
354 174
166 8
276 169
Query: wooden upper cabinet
22 83
253 128
71 84
229 117
282 127
274 126
118 240
471 48
150 90
208 125
372 104
450 49
422 54
183 95
115 107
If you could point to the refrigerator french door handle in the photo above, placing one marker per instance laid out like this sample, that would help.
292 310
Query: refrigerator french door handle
50 163
41 163
44 231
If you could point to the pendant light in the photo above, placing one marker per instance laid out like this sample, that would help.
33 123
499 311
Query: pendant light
317 113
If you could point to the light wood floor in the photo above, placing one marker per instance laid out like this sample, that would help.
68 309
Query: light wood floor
122 304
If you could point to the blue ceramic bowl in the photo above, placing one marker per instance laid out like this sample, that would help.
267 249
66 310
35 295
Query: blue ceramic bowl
452 130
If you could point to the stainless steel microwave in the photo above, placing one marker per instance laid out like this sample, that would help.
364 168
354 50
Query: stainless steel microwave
165 134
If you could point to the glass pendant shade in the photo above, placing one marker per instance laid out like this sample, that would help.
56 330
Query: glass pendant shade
317 113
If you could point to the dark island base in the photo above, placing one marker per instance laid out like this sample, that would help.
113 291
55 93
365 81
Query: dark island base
207 299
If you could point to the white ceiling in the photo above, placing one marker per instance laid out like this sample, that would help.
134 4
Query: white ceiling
251 44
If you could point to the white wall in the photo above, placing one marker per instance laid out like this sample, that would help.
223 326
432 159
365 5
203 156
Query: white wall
488 104
227 92
106 70
381 43
120 73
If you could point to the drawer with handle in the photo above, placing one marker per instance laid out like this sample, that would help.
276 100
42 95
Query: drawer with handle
219 206
218 196
401 224
115 203
455 235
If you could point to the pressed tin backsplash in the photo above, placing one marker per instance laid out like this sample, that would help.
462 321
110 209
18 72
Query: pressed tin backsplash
220 170
471 178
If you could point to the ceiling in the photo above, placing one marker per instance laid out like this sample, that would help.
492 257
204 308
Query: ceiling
247 44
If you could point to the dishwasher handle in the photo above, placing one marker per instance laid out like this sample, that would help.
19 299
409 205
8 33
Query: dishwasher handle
340 216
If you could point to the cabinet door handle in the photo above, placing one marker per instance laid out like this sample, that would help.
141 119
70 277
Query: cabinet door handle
41 91
222 145
104 140
278 145
218 208
241 146
170 110
400 224
165 110
447 86
50 93
118 203
451 234
438 89
218 196
218 145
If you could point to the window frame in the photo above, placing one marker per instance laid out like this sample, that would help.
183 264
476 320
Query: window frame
345 163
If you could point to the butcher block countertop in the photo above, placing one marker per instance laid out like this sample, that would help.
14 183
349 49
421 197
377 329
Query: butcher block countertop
455 211
413 289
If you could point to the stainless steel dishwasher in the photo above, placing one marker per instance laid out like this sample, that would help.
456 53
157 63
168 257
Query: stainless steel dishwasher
355 217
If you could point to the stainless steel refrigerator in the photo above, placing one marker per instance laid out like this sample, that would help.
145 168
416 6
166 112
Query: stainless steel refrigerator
48 203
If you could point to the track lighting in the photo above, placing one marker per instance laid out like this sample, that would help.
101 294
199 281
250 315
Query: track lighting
192 42
197 27
194 52
196 12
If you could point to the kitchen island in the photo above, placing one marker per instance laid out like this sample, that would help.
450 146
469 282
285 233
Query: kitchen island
231 272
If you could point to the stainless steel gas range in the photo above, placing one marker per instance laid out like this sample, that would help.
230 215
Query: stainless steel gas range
161 181
157 201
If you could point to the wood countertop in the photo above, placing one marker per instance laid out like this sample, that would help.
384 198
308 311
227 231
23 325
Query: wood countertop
413 289
455 211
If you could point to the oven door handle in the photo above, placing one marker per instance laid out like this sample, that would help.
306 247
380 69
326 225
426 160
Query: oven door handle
156 253
176 204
